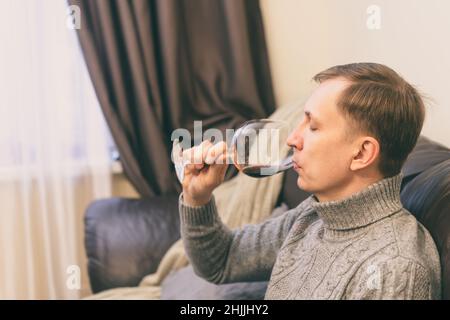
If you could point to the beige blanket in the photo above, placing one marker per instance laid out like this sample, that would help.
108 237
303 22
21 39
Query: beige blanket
241 200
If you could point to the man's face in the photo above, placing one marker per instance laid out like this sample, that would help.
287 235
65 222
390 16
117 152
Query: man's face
322 149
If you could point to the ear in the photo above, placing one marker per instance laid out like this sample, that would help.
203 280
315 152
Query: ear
367 151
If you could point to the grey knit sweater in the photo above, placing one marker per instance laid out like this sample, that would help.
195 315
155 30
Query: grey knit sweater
364 247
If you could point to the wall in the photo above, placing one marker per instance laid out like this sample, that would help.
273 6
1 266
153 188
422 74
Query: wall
305 37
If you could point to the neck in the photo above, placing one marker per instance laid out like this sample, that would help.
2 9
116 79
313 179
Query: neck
375 202
354 185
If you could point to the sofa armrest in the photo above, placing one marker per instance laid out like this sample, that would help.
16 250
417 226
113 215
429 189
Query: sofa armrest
125 239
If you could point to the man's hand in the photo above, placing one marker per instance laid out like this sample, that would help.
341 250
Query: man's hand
204 172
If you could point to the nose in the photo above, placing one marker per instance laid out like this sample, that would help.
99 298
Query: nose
295 139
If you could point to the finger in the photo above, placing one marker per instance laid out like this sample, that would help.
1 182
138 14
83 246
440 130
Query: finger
177 151
201 154
188 155
215 152
194 155
189 169
201 151
219 168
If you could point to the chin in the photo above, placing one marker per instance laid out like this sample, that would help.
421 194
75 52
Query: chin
301 184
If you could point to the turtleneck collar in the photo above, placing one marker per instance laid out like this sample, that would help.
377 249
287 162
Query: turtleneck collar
365 207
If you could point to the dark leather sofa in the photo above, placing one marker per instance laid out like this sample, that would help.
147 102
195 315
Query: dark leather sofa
126 238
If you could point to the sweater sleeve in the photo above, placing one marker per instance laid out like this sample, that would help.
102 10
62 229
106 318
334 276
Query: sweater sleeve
221 255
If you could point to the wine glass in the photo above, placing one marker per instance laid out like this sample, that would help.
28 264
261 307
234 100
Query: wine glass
257 148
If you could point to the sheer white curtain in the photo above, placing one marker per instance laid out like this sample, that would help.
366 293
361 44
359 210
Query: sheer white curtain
54 155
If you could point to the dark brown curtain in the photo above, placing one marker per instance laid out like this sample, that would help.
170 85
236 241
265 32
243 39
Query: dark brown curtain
159 65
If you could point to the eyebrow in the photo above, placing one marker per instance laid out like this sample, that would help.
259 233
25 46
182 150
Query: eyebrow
310 116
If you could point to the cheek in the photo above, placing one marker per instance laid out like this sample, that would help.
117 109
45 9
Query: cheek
321 175
325 161
316 153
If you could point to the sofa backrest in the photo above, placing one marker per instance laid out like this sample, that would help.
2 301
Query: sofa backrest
426 194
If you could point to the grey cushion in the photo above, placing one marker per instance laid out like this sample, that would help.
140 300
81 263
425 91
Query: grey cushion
184 284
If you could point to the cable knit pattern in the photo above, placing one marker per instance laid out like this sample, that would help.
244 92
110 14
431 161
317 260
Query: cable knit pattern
366 246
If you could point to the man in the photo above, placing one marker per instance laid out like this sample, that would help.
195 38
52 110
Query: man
351 239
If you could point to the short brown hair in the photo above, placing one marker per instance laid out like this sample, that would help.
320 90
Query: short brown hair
381 103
